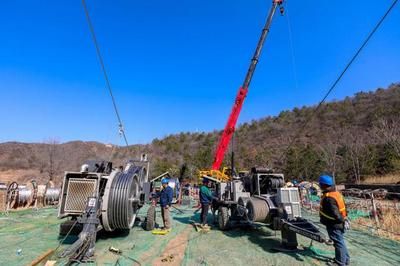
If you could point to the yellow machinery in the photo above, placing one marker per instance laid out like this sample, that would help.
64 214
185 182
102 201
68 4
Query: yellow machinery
221 176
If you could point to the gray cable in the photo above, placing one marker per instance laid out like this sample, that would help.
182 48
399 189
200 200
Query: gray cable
121 127
303 127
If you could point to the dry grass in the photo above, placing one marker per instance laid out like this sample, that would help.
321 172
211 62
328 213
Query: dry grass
389 224
386 179
3 194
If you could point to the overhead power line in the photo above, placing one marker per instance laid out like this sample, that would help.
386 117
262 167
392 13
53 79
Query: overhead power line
364 44
294 67
96 44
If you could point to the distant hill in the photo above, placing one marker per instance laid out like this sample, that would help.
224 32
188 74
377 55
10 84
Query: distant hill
349 138
41 160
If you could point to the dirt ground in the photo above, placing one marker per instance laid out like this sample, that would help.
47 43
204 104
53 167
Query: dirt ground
27 234
20 176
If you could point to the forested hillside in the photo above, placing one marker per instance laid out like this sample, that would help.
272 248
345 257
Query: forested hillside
351 138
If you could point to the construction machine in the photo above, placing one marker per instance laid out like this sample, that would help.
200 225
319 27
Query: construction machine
100 197
258 196
229 129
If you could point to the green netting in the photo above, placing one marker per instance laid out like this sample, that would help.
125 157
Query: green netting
314 198
242 246
356 214
34 232
364 247
26 234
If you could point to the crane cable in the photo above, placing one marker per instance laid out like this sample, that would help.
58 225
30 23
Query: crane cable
96 44
303 127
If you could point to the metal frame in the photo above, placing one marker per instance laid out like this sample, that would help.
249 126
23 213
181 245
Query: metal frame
65 187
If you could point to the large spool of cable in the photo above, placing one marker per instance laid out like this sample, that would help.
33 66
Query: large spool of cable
257 210
24 196
51 196
121 198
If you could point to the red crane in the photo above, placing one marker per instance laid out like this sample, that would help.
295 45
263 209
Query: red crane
241 95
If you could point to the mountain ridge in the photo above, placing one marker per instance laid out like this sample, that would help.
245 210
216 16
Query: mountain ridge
344 131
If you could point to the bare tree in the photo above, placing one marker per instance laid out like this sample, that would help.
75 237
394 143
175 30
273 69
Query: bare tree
329 151
357 151
329 155
388 132
53 161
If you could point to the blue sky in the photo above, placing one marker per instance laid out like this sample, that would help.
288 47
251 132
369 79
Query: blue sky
176 65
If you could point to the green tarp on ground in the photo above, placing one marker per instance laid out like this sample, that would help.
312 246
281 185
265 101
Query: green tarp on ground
33 232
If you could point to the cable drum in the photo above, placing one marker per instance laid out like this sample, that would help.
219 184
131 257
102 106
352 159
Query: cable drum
123 199
51 196
24 196
257 210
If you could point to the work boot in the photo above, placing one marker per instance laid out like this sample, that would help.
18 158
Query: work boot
332 263
205 226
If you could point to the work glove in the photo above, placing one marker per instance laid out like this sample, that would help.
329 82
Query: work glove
347 224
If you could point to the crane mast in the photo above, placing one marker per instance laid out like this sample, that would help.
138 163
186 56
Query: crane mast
242 93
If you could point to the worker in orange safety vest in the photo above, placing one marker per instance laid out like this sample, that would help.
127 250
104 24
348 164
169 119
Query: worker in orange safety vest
333 215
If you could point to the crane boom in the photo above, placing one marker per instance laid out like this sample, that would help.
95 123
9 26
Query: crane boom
241 95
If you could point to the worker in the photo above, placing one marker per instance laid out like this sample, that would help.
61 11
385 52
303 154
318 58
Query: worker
333 215
166 196
206 198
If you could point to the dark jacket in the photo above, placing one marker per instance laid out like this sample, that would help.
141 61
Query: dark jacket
206 196
330 207
166 196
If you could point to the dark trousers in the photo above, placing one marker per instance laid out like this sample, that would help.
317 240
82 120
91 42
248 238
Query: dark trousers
204 213
166 218
342 256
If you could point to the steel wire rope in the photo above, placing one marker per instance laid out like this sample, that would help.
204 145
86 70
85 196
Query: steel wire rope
333 86
101 61
293 56
62 240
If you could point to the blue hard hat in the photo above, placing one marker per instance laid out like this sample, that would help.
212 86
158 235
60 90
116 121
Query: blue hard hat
326 180
164 181
206 180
